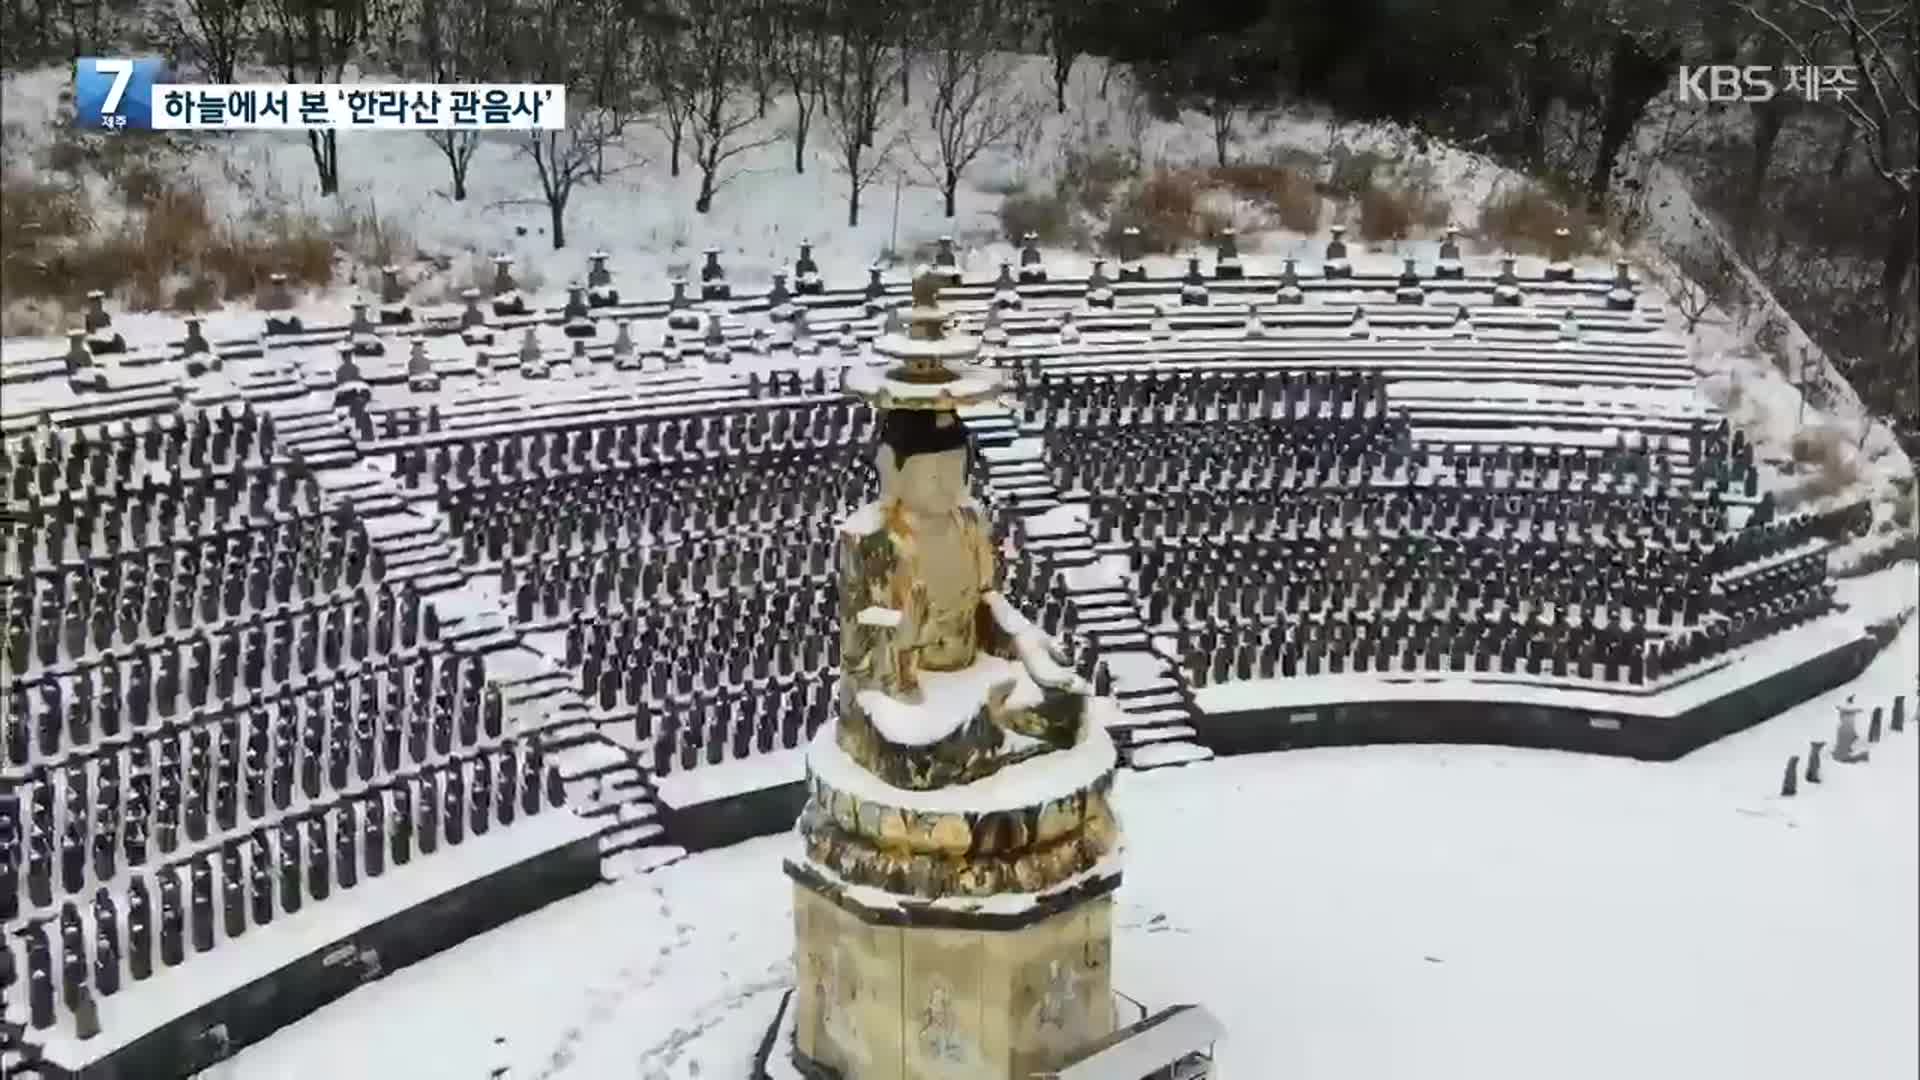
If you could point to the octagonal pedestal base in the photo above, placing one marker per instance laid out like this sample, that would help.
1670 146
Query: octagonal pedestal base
894 995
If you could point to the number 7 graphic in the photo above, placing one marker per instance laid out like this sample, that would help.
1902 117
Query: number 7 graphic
122 72
115 92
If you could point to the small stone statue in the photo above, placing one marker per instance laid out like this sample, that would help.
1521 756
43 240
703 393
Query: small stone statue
1846 737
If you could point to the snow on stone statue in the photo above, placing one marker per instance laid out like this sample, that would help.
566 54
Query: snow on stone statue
1846 736
957 851
943 683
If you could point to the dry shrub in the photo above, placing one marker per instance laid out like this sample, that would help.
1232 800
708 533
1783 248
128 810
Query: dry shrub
1902 509
1090 178
1828 451
1393 213
1283 191
200 293
34 317
39 222
1351 173
141 184
372 240
172 253
1044 215
1167 209
1524 219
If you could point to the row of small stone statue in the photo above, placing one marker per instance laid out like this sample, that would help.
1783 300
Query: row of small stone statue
218 664
596 515
706 627
1196 396
1509 641
685 733
1307 579
1771 536
106 459
1357 482
293 737
629 658
662 575
1446 517
1440 642
496 459
273 873
729 430
94 608
333 535
1846 742
319 619
157 514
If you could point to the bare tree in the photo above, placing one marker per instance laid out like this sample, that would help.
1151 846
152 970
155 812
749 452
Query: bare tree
616 73
866 61
806 68
314 41
555 44
211 34
1882 44
1697 278
974 103
857 101
717 124
459 41
1064 19
762 24
664 58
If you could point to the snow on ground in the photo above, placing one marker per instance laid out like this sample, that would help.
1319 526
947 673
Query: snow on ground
1432 912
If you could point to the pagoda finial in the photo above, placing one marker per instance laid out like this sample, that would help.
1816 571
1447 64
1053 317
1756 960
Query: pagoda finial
926 289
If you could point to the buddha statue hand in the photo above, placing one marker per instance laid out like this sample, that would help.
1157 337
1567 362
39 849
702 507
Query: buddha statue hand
1042 656
1046 662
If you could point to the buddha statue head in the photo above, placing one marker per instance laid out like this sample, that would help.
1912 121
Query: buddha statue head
923 460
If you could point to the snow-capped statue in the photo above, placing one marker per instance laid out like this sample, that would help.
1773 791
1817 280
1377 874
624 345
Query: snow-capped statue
1846 736
919 595
968 764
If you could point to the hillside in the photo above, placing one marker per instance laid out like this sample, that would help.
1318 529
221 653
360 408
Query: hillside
209 216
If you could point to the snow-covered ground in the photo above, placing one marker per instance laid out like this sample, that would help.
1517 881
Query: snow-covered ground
1434 912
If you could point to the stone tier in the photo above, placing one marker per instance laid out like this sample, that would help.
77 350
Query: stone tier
1029 827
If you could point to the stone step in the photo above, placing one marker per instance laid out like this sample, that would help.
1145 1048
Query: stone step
997 470
440 578
1023 485
331 458
1151 718
1164 694
1166 754
639 859
1119 624
589 762
626 836
1131 638
1142 735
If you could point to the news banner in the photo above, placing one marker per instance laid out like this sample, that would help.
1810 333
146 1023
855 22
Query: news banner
120 94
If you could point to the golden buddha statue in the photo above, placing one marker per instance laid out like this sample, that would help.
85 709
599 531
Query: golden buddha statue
943 684
957 852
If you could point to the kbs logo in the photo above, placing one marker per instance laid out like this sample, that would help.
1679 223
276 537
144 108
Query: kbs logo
1721 84
115 92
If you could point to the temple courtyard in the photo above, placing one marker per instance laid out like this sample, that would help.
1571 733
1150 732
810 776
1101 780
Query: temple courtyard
1395 911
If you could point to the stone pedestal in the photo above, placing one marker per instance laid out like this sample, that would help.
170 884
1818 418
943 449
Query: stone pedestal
903 995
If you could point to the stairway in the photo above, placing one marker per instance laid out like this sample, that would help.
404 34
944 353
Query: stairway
599 762
604 779
1154 728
